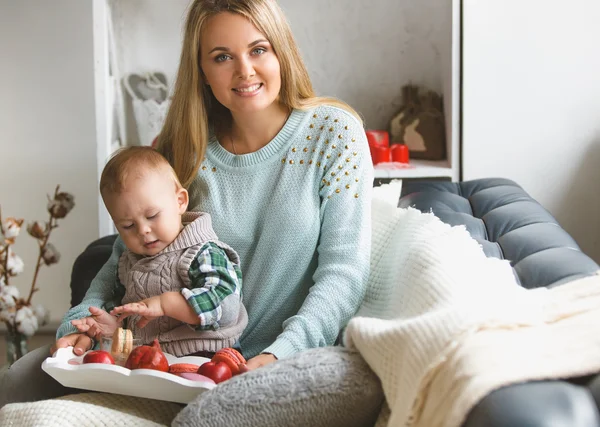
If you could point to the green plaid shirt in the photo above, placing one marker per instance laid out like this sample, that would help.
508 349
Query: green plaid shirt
214 276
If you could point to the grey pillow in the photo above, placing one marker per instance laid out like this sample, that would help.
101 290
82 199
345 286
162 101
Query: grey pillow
328 386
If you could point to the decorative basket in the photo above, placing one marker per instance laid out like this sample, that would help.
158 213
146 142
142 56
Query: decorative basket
420 124
150 104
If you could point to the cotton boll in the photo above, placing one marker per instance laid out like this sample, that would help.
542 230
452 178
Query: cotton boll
42 315
8 297
50 254
37 229
61 205
26 321
12 226
8 315
14 264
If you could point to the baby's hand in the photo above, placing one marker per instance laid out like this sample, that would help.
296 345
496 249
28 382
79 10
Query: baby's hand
98 324
147 309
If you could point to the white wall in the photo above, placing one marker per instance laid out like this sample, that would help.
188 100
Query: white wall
531 111
359 51
364 51
48 131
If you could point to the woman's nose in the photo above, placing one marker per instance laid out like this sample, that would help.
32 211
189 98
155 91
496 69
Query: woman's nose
245 69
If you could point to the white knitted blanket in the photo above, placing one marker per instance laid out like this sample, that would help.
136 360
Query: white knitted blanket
442 325
90 410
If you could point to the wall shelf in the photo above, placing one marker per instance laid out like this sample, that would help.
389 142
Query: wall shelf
415 169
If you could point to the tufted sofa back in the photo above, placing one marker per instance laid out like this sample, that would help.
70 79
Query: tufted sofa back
508 223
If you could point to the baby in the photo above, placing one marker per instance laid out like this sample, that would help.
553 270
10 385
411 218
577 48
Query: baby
180 283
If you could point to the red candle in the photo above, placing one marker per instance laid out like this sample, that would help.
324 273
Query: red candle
381 155
399 153
378 138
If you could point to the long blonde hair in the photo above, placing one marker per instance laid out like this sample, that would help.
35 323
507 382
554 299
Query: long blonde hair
195 112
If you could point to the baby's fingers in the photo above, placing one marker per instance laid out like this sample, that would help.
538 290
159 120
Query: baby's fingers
128 309
123 317
94 331
82 327
96 311
121 309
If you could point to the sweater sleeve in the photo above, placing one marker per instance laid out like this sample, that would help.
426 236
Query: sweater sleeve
340 280
104 289
213 278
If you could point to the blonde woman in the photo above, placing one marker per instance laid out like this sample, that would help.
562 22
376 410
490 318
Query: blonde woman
285 175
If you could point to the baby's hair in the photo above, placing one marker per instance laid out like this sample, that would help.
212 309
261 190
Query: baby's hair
130 162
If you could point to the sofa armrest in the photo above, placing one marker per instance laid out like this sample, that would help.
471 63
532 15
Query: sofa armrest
87 265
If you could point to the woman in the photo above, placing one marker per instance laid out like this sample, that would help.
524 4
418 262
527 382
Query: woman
286 177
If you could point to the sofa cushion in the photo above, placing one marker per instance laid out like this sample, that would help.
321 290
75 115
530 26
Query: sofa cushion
508 223
327 386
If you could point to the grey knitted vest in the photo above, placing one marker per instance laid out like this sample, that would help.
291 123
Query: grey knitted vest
167 271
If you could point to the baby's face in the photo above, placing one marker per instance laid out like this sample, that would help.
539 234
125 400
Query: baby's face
147 212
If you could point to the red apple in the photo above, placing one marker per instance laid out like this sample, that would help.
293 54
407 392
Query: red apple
218 372
98 356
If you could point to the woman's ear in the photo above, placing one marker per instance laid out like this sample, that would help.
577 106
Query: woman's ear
183 200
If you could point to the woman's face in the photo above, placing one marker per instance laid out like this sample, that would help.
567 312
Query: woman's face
239 64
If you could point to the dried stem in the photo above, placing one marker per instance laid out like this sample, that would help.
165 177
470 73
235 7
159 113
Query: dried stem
51 226
6 248
12 330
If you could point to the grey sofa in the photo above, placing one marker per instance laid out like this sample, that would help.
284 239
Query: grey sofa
509 224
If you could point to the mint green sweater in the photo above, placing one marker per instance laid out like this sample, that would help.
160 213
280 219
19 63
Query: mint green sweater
298 212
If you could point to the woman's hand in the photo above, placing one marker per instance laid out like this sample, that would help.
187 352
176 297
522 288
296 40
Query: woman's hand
80 343
99 323
147 309
260 360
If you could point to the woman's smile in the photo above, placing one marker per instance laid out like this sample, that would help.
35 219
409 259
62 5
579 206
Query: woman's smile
251 90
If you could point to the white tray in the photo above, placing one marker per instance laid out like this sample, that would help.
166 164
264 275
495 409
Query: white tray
66 368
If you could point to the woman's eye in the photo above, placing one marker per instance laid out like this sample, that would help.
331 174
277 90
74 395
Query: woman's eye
259 51
221 58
